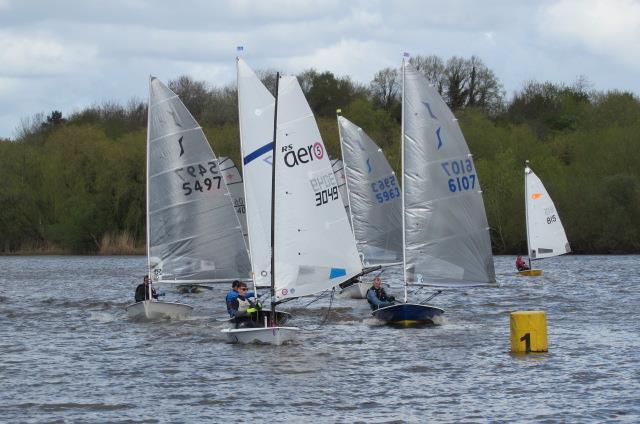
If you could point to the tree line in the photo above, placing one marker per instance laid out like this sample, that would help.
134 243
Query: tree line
77 183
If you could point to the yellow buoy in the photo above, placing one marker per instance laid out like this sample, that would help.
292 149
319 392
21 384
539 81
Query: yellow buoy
528 331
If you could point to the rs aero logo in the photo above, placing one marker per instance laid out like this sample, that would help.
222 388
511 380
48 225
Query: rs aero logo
294 157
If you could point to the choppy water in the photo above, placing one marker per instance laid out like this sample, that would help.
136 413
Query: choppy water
69 354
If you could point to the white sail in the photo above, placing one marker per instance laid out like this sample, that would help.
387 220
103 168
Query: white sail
256 108
341 179
445 226
314 248
545 234
193 232
375 199
232 177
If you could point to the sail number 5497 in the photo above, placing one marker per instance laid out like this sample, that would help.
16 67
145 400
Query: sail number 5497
196 178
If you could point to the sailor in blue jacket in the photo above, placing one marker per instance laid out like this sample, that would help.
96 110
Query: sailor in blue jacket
377 297
232 298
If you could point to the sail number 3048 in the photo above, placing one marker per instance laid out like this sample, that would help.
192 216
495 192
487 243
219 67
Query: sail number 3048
462 175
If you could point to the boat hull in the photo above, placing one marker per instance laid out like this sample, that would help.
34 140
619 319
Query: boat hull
151 309
264 335
408 314
530 273
281 317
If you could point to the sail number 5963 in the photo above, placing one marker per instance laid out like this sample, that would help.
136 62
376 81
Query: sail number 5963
385 189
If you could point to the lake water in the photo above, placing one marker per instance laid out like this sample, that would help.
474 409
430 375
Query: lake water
69 353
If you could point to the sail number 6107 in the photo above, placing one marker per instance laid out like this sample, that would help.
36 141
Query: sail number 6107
462 174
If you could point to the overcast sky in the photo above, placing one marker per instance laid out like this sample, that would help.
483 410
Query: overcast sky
68 54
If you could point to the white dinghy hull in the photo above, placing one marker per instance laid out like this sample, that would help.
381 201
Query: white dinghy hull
265 335
148 309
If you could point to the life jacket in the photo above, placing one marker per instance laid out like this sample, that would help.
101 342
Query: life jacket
380 295
243 304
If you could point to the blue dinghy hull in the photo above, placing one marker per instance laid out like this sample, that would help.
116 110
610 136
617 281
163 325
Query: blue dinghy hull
407 314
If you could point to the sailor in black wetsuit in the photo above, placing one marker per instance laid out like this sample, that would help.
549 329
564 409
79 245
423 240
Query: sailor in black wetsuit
142 291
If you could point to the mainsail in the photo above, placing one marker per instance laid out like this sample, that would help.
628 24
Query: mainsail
446 234
545 234
193 232
233 179
314 248
256 109
375 200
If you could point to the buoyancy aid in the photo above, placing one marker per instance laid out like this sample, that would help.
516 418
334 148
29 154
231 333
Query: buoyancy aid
380 294
243 304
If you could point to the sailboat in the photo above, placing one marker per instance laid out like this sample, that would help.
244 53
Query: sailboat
444 225
193 232
311 243
374 202
545 234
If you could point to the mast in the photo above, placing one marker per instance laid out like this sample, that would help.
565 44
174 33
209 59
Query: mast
147 188
273 206
526 210
404 244
346 182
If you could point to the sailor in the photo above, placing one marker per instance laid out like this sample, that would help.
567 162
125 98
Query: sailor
232 296
142 291
245 312
521 265
377 297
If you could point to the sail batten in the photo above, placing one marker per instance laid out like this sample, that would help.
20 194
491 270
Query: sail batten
193 231
445 227
375 200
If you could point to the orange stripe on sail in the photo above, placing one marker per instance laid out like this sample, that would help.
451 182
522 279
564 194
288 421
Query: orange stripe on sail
535 196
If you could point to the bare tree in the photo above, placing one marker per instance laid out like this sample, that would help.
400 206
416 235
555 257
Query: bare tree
268 78
432 67
194 94
385 88
306 79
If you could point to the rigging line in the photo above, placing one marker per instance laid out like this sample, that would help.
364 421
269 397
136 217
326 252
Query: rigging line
326 317
320 296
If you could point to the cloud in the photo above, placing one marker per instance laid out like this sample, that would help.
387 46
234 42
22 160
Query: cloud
355 58
76 53
40 55
609 28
